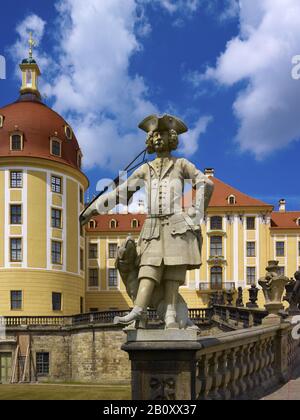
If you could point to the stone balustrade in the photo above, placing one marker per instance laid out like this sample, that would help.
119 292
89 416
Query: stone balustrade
244 364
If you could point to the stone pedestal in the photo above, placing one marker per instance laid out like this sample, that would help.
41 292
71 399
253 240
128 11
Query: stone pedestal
274 310
163 363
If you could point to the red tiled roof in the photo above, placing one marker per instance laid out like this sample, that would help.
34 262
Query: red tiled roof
38 123
285 220
123 223
222 191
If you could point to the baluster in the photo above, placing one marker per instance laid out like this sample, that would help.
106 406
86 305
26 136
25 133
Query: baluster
233 388
205 379
239 366
225 374
271 362
244 369
217 377
256 361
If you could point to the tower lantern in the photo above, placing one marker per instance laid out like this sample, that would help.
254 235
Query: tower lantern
30 73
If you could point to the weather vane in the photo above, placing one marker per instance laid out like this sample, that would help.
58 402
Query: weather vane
31 44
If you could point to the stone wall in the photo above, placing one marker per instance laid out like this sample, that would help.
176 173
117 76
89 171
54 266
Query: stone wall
89 354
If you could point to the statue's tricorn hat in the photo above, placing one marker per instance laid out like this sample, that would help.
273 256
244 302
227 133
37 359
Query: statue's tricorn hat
164 123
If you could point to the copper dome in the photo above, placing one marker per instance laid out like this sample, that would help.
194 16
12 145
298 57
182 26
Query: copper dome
38 124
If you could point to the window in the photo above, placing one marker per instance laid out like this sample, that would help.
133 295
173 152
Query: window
56 184
16 179
135 224
251 275
16 142
113 224
250 249
42 364
81 260
298 222
298 249
92 224
79 159
56 218
93 277
216 223
1 121
16 300
112 250
250 223
56 301
81 196
280 249
281 271
216 248
55 147
216 278
16 250
56 252
93 251
112 277
68 132
232 200
15 214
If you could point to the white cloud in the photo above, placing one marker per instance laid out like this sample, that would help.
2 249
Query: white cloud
173 6
189 141
88 77
261 55
20 49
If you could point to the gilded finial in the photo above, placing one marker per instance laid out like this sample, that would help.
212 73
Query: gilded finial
31 44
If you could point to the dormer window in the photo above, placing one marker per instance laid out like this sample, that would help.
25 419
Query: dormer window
55 147
79 159
135 224
68 132
232 199
1 121
113 224
298 221
16 142
92 224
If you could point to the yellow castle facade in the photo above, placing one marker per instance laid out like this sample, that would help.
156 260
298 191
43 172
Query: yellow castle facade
50 266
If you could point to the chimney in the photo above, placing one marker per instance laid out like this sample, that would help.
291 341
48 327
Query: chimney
282 205
209 172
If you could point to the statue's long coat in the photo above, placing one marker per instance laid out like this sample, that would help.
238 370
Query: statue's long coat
169 234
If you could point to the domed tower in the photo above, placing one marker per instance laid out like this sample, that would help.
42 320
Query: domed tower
41 196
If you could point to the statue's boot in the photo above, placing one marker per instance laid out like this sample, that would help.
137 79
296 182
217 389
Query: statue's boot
136 314
170 320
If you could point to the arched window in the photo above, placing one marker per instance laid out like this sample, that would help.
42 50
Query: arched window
113 224
92 224
68 132
135 224
216 223
1 121
55 147
16 141
216 278
79 159
232 199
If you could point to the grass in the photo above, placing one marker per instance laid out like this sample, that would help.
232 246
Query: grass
64 392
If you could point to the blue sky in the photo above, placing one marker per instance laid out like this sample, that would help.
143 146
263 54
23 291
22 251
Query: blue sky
224 67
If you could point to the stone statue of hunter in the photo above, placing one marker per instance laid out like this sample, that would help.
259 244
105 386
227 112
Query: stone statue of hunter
170 241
